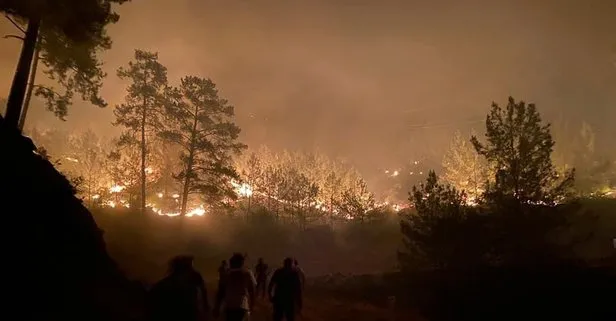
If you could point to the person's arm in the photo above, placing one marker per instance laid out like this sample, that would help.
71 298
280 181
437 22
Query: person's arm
271 285
220 295
299 291
251 290
203 289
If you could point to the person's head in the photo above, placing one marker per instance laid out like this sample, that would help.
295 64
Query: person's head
260 260
223 263
180 264
287 263
237 261
295 262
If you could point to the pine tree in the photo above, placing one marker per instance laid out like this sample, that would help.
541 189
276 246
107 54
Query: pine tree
464 168
143 106
202 124
87 158
519 146
79 25
441 233
356 201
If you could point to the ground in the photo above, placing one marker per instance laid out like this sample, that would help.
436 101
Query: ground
326 309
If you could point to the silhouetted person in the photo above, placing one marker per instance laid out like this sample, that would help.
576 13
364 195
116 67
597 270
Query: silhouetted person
300 272
181 295
262 271
236 290
285 292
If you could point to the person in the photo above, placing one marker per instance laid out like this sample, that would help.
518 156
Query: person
262 270
181 295
302 276
236 290
285 292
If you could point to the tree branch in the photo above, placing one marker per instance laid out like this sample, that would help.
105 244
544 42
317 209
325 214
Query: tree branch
15 24
14 36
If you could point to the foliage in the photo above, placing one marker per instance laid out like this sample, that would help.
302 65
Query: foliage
464 168
72 34
357 201
311 186
86 160
441 232
519 146
141 113
201 123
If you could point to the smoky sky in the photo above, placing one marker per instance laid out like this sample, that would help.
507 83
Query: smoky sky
375 82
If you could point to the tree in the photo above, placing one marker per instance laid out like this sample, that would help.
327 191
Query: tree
86 160
77 24
519 146
143 105
464 168
442 232
201 123
356 201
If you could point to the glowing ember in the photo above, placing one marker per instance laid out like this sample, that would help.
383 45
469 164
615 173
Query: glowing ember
160 195
198 211
242 189
96 196
70 159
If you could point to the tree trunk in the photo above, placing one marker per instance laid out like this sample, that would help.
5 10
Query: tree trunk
20 79
143 153
189 165
26 105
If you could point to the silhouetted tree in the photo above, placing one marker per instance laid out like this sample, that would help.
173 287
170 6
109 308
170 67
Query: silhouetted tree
519 146
143 105
441 232
202 124
78 24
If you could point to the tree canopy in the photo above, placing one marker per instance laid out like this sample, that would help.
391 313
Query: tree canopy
201 123
519 146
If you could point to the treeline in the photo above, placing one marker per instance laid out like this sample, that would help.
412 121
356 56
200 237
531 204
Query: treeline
595 172
309 186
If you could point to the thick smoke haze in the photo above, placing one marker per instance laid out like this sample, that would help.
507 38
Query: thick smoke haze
375 82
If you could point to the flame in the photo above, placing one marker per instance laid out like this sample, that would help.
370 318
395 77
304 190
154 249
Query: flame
242 189
96 196
198 211
160 195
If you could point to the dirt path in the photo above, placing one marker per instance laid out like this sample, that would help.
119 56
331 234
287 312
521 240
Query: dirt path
316 309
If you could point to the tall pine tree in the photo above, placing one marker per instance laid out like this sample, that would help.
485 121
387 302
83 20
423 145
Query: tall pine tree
144 103
202 124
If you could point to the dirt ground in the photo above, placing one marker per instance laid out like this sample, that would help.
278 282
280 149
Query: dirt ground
329 309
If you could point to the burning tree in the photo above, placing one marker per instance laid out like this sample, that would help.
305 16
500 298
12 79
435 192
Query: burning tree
201 123
86 159
141 112
464 168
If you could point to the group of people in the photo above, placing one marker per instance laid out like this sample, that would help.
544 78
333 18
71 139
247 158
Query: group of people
182 294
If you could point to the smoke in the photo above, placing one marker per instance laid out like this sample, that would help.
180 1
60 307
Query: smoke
374 82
